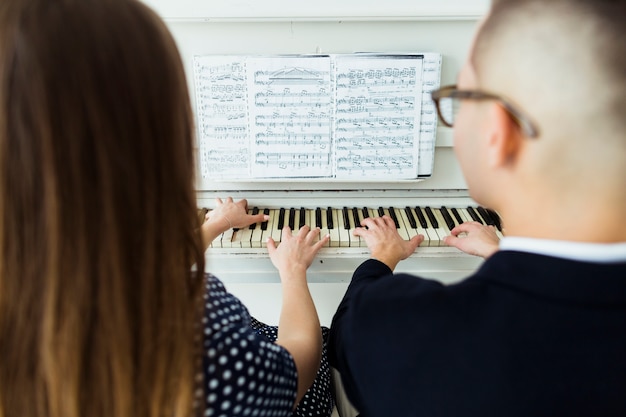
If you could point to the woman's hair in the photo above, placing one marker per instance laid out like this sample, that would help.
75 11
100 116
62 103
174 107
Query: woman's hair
99 310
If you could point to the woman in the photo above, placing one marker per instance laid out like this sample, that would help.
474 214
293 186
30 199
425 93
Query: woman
100 314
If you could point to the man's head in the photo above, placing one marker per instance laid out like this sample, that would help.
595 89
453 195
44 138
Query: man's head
563 63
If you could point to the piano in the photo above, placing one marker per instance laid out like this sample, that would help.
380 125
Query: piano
274 27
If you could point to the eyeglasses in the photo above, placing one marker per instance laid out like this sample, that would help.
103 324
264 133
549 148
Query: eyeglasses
447 100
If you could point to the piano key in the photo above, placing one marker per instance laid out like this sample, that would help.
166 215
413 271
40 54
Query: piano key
439 226
332 218
329 218
420 217
266 212
365 212
276 228
227 237
495 218
392 214
356 220
396 216
244 236
280 221
409 216
254 212
402 228
256 240
343 227
485 216
318 217
409 222
459 218
345 218
292 218
447 218
489 219
323 225
474 215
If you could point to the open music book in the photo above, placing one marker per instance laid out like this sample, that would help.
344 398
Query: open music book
348 117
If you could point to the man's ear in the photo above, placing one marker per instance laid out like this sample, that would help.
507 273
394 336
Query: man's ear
504 136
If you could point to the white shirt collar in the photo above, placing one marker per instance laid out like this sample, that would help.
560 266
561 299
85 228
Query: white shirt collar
578 251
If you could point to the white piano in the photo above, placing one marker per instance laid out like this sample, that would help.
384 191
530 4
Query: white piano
225 27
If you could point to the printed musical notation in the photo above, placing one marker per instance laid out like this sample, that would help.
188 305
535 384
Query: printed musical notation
348 117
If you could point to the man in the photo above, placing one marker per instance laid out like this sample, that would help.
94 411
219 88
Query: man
540 328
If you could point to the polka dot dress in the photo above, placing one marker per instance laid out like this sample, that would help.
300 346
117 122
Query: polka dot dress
318 400
245 373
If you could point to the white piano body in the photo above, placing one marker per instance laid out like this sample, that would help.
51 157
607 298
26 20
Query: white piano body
275 27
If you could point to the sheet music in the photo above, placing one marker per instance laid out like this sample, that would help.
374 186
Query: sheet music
348 117
290 116
377 113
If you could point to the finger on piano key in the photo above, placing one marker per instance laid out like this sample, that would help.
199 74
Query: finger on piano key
323 224
244 236
486 215
356 222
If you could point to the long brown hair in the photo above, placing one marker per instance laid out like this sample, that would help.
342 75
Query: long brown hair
98 308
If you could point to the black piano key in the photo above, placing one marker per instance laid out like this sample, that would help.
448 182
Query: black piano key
346 218
366 212
329 218
456 215
381 211
409 215
255 211
355 217
302 219
495 218
483 213
281 219
420 217
431 217
264 224
318 217
392 213
448 219
292 218
474 215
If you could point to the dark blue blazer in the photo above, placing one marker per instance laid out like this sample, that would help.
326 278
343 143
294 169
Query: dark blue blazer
526 335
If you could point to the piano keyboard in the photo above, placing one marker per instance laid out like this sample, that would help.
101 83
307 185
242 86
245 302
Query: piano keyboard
433 223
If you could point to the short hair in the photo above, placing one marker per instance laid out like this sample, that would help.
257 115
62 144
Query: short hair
99 309
595 28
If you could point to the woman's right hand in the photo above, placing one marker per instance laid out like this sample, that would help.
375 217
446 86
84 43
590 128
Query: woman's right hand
294 254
